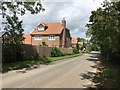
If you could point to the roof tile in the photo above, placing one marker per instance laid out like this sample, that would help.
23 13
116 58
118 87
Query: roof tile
52 28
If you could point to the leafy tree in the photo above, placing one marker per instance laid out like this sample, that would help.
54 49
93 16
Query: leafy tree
84 43
11 11
81 39
104 29
76 49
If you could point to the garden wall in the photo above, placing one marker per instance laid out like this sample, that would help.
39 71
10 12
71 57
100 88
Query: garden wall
31 52
67 50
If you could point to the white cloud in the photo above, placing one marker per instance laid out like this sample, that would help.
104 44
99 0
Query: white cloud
76 12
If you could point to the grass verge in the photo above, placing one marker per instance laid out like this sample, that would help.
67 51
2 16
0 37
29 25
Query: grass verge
26 64
19 65
62 57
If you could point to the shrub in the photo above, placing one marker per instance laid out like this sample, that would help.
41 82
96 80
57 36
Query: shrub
43 44
76 49
56 52
44 59
12 53
70 53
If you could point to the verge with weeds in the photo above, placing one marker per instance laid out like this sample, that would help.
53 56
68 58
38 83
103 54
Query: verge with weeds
108 75
26 64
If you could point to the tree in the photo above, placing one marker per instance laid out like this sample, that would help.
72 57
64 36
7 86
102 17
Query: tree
104 29
81 39
76 49
11 11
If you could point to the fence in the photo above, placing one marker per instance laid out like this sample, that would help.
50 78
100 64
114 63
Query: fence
31 52
66 50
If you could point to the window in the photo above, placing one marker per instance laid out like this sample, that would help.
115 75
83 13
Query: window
40 28
51 37
38 37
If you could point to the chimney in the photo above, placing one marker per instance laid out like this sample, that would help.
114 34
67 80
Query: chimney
64 33
64 23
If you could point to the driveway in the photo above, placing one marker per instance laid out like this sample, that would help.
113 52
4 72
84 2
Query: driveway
67 73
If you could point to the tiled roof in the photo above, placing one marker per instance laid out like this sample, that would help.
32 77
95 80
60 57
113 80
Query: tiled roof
51 28
74 40
27 39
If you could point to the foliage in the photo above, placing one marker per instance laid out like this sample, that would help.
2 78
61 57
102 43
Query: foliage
76 49
12 53
44 59
43 44
104 29
110 74
88 48
62 57
28 63
23 64
84 42
11 11
80 39
56 52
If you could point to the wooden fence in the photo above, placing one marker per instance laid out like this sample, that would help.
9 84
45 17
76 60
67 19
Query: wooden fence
31 52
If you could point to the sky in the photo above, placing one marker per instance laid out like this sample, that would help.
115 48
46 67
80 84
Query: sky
76 13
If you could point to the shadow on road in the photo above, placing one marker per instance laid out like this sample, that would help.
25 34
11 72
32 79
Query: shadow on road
94 57
90 75
86 76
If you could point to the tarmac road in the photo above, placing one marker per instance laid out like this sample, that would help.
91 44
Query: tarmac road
59 74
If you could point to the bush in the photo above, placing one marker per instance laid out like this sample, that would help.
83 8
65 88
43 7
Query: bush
76 49
70 53
56 52
44 59
12 53
43 44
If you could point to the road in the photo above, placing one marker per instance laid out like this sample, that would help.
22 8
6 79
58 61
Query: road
59 74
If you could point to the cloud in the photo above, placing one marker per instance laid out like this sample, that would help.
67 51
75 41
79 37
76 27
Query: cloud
76 12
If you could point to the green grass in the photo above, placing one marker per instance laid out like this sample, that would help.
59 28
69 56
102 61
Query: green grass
19 65
62 57
29 63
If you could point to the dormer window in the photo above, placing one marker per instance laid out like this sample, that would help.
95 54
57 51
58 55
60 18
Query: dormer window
40 28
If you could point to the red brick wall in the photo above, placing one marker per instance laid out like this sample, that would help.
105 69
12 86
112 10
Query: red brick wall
55 42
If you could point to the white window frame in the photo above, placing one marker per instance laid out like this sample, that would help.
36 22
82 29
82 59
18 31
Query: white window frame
40 29
37 37
51 37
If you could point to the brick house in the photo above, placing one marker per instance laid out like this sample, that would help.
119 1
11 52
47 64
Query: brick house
27 39
74 42
3 37
53 34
